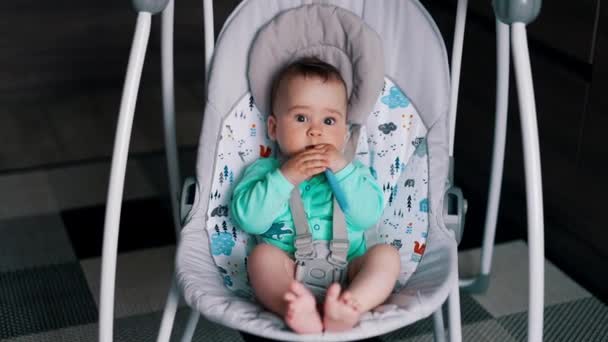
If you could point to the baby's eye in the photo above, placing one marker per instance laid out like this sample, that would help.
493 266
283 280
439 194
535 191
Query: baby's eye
329 121
300 118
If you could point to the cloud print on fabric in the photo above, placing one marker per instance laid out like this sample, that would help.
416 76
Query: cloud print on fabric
395 99
387 127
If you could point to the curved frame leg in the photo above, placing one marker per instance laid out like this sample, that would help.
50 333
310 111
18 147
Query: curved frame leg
532 167
166 323
191 325
479 283
458 42
171 151
117 176
500 137
209 36
438 325
454 321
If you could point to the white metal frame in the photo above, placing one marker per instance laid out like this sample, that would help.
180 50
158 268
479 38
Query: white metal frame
170 310
168 92
458 42
500 137
534 193
517 38
117 175
531 159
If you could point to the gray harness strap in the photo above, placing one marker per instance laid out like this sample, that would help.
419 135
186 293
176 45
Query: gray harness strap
318 266
303 241
338 246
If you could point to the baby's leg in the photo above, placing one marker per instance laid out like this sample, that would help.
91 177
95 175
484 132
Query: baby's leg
271 272
372 278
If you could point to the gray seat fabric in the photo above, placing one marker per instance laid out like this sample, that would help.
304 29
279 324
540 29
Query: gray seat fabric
335 36
415 58
204 290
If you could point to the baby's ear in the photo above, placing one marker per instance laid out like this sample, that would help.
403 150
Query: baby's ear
271 127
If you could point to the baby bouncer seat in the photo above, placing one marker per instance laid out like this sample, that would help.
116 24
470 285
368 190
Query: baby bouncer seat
399 101
394 140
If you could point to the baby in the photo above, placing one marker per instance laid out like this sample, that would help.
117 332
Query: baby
308 122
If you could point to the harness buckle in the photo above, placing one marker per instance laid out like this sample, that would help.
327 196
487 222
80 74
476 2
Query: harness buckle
303 240
339 245
304 249
338 251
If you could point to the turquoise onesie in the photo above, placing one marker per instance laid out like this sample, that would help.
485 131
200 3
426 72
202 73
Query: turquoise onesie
260 204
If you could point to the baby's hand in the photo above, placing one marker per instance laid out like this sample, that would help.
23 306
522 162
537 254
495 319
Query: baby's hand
336 160
305 165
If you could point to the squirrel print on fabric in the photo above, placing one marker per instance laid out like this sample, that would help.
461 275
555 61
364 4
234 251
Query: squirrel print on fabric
277 230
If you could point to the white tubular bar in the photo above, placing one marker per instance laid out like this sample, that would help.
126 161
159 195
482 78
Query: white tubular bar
167 20
461 17
166 323
534 195
454 322
117 175
438 326
500 138
209 34
498 155
168 318
191 325
171 150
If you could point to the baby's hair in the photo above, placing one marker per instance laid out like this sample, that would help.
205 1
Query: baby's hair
306 67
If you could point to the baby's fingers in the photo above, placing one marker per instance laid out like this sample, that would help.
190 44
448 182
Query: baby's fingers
311 159
311 153
315 163
314 171
315 166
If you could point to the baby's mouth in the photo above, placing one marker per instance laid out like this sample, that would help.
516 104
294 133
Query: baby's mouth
310 146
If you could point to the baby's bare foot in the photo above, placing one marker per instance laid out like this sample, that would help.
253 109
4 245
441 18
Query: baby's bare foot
302 315
340 312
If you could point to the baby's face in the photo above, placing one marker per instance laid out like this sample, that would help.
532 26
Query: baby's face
308 111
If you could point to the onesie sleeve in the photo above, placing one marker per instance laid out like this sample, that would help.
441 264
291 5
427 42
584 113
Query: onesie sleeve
363 195
260 196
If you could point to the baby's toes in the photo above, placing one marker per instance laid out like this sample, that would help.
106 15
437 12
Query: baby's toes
333 292
289 314
289 297
350 301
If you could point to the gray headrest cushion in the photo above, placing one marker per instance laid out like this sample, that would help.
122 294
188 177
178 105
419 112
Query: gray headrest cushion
335 36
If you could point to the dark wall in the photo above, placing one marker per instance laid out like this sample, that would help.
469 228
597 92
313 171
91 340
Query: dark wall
588 207
62 70
570 71
53 48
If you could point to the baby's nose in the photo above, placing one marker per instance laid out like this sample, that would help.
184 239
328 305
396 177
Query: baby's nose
314 132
